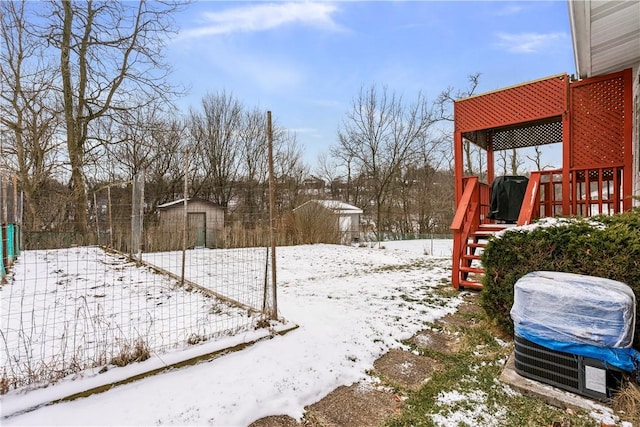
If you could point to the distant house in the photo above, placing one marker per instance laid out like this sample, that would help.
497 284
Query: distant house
330 215
313 186
205 221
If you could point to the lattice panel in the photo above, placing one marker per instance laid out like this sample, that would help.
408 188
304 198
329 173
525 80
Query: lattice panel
518 104
597 123
540 134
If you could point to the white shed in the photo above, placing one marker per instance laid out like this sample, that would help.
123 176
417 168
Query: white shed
347 216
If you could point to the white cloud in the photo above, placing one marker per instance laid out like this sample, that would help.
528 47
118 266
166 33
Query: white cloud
528 42
263 17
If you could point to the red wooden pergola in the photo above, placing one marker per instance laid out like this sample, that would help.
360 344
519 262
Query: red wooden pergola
592 119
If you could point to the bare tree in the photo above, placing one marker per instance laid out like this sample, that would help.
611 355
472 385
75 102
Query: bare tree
444 111
381 134
255 168
131 140
328 170
516 162
29 115
215 134
536 158
110 60
510 160
502 161
165 175
289 168
345 159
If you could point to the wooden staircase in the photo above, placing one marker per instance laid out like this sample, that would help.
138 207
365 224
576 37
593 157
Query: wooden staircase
471 270
471 232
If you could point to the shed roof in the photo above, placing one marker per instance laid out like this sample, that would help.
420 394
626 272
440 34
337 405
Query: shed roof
335 206
179 202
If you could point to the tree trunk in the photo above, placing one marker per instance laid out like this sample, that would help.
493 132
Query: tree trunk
74 142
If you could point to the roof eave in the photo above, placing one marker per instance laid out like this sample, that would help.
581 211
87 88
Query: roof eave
580 20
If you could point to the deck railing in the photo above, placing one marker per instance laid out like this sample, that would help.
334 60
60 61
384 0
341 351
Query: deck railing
592 191
589 191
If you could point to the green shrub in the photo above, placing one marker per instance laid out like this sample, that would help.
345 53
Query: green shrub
602 246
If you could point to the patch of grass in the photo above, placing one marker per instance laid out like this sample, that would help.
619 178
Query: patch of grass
467 392
391 268
407 298
418 264
434 301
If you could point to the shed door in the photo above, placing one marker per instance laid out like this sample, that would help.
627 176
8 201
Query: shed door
197 228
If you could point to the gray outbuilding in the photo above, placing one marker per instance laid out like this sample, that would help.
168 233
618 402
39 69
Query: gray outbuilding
205 221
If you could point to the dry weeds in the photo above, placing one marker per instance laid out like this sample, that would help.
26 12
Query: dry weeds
137 352
627 403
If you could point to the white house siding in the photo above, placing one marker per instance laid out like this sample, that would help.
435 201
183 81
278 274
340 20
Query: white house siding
636 134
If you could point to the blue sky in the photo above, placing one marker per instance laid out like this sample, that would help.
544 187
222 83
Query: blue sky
306 61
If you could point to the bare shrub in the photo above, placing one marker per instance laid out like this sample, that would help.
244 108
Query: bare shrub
4 383
196 339
263 323
137 352
316 224
246 235
159 238
627 402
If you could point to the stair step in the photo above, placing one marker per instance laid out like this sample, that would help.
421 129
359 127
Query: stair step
469 284
489 229
484 229
477 245
470 277
472 270
481 236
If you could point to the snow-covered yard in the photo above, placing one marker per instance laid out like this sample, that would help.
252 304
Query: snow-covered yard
352 304
64 310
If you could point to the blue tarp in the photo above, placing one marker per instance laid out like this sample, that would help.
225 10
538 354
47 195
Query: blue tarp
626 359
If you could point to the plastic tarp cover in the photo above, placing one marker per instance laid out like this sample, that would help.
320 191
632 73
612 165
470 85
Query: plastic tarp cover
575 308
573 313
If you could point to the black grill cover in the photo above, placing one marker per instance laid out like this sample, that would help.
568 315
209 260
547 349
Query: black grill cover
507 193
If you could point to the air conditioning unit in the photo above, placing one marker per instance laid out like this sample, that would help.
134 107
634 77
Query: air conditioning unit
574 332
578 374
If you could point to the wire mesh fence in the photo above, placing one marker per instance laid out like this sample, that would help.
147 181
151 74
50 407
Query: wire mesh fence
138 283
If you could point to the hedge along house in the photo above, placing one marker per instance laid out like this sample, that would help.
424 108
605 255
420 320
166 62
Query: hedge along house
329 221
594 117
205 223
